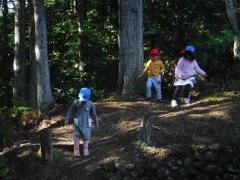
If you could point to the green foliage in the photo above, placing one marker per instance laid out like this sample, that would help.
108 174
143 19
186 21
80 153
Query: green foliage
17 111
213 46
98 58
168 25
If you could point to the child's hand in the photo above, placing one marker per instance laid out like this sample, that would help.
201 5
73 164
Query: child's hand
203 77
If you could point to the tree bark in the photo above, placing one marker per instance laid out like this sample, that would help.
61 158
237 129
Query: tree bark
81 13
145 131
33 85
19 54
44 93
130 45
5 30
46 144
6 73
233 19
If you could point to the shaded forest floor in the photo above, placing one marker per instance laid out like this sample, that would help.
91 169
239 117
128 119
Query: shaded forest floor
199 141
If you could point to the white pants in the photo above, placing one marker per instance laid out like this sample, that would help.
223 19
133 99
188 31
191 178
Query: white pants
156 82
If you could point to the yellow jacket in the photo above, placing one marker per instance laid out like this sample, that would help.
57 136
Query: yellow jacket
153 67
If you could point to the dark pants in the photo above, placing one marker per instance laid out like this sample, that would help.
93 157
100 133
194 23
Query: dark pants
178 90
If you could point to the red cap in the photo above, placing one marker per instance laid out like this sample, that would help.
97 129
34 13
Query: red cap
181 52
154 51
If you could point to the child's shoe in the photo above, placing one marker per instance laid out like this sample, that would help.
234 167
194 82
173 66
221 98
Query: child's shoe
186 101
76 154
85 152
85 149
174 103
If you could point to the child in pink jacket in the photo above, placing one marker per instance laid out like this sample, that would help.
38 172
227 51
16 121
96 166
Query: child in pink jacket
185 71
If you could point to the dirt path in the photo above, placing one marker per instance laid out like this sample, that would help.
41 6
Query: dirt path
178 132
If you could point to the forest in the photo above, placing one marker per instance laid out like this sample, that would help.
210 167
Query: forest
50 49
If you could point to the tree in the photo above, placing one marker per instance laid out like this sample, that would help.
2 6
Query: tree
231 7
6 61
19 53
130 45
33 80
44 96
81 12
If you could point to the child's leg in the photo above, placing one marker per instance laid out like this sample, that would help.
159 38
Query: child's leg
176 92
85 147
157 85
148 87
186 94
187 90
76 146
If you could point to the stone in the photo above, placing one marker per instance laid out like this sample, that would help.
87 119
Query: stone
209 156
203 148
198 156
129 166
161 172
187 161
214 147
213 169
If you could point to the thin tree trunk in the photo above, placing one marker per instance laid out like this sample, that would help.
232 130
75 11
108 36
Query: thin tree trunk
5 30
81 12
44 93
6 73
236 47
145 131
19 53
130 45
233 19
33 85
46 144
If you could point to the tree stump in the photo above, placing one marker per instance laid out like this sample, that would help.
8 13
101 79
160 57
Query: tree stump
46 144
145 131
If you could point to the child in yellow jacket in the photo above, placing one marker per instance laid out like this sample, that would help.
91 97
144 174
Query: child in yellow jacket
154 68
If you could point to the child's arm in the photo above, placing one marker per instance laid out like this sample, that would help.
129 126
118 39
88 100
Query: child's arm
70 113
178 72
198 70
162 68
146 69
94 116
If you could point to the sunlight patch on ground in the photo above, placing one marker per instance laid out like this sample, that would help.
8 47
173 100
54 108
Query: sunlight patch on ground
24 153
219 114
158 153
197 115
108 159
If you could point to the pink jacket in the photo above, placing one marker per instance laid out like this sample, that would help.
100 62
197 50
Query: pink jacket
186 69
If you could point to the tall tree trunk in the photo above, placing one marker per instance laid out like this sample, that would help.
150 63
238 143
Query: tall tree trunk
19 53
81 12
5 30
6 73
33 84
233 19
44 93
130 45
